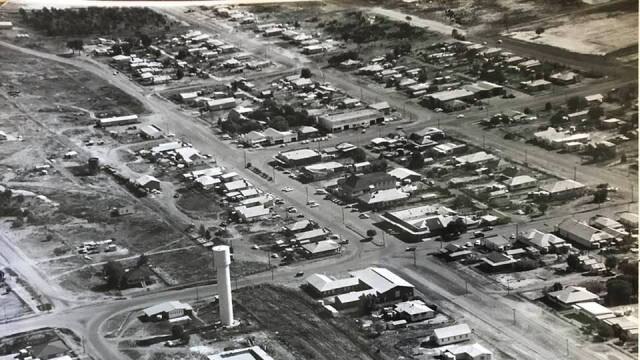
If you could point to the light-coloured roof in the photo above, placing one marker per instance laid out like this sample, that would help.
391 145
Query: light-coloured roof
330 165
381 196
593 308
145 179
520 180
166 147
583 231
310 234
472 351
477 157
561 186
206 180
298 225
380 279
354 296
251 212
449 331
403 173
165 307
321 246
236 185
413 307
542 240
573 294
324 283
250 353
449 95
299 154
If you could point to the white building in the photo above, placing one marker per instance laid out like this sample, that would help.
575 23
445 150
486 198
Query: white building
414 310
451 334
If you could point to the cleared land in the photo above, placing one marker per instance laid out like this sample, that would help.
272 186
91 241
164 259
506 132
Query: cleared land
596 35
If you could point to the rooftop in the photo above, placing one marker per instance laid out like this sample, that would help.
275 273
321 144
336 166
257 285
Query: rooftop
449 331
573 294
250 353
380 279
381 196
413 307
323 283
299 154
561 186
165 307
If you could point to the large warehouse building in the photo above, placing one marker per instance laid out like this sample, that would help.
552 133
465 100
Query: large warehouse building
350 120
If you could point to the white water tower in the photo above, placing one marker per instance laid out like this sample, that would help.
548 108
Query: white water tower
222 260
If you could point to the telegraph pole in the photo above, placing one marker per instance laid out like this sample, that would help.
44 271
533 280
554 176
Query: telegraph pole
342 208
575 173
306 189
414 257
514 316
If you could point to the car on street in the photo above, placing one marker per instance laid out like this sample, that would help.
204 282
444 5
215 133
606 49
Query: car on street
299 274
478 234
275 256
460 116
291 209
314 205
487 228
286 189
410 248
468 244
300 216
363 216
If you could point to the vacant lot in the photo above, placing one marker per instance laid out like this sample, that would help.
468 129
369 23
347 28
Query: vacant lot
296 321
598 34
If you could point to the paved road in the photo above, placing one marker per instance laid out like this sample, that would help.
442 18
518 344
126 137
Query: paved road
431 277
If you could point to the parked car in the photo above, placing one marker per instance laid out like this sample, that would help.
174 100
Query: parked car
363 216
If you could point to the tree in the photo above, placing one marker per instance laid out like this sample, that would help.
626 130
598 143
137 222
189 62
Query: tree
179 73
527 110
177 332
594 114
279 123
600 195
371 233
542 207
142 260
558 118
556 287
611 262
358 155
526 265
75 45
629 268
573 262
367 303
114 273
623 158
548 106
422 75
619 292
539 30
305 73
416 161
182 54
604 331
594 286
379 165
145 40
575 102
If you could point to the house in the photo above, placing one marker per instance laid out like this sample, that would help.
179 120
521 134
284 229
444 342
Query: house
564 78
207 182
594 99
321 285
629 220
544 242
350 120
352 299
167 310
414 310
594 311
382 107
479 158
405 175
420 222
468 352
427 134
220 104
299 226
582 234
535 85
309 236
275 137
150 132
388 286
444 99
306 132
497 261
6 25
357 185
298 157
380 199
497 243
451 334
117 121
625 327
609 226
571 295
564 189
321 249
148 182
253 138
189 156
521 182
235 185
249 353
321 171
254 213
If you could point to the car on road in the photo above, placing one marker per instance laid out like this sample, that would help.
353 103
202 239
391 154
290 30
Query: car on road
487 228
321 191
468 244
292 210
314 205
364 131
410 248
255 247
364 216
299 274
438 110
279 201
300 216
478 234
275 256
460 116
478 243
286 189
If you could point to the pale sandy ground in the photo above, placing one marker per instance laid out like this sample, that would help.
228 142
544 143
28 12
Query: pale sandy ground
84 3
597 35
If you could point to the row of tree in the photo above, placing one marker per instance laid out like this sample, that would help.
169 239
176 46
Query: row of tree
92 20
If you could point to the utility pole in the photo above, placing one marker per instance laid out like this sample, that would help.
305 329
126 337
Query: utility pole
466 287
525 157
245 158
514 316
306 189
274 174
414 257
197 294
342 208
575 173
271 274
483 142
